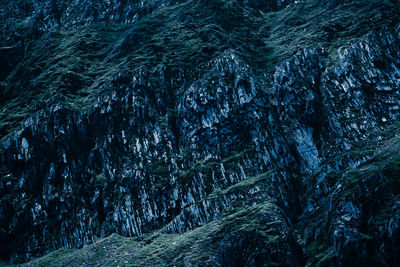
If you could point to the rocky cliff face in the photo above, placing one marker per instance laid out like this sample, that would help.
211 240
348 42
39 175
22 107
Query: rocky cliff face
220 133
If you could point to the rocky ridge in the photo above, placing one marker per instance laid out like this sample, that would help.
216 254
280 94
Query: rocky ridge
295 168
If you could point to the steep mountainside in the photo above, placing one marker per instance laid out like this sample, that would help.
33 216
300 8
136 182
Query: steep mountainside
200 132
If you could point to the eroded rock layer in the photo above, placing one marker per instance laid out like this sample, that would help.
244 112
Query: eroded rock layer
176 122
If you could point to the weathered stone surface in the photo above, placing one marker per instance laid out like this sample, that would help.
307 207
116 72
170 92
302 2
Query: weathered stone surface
296 168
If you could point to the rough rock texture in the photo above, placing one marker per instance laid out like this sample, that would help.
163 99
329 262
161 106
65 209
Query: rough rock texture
158 121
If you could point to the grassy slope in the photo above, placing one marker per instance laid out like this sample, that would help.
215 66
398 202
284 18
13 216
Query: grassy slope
196 246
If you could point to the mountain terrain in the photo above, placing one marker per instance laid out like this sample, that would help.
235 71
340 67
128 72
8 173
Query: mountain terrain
199 133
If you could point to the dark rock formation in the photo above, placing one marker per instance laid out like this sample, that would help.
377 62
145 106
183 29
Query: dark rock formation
156 120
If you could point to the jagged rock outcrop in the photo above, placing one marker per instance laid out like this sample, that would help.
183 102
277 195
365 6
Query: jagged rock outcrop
294 168
297 96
